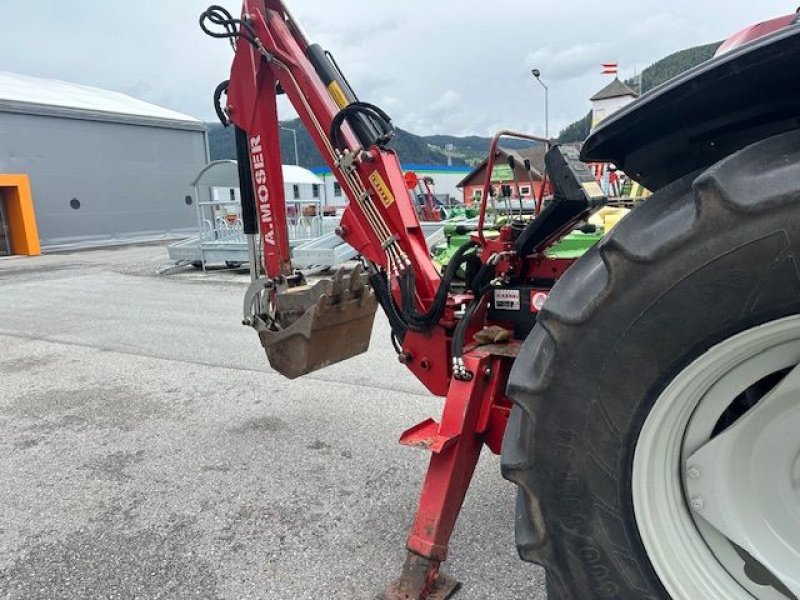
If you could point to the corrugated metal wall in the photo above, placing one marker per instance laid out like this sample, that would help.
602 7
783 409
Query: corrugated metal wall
97 182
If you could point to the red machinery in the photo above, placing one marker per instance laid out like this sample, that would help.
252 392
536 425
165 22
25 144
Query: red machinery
424 188
461 342
458 345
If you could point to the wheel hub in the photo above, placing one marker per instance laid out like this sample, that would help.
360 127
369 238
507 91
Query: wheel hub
716 477
743 482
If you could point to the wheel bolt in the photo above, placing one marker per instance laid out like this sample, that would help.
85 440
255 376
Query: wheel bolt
698 503
693 473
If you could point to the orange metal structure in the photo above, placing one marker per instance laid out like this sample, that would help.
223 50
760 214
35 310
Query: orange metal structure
16 193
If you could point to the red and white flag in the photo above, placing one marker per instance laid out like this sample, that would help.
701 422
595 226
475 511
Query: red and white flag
610 68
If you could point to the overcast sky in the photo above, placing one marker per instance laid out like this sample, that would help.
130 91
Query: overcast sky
459 67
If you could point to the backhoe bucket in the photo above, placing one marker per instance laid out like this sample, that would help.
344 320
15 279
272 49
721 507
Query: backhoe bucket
320 325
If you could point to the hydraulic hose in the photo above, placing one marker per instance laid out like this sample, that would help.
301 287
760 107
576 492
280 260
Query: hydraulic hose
405 318
428 320
376 126
367 129
222 88
246 190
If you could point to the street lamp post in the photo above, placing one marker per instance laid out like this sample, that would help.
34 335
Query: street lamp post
296 153
448 150
538 76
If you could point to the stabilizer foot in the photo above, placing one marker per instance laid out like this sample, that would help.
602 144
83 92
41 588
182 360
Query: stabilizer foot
421 580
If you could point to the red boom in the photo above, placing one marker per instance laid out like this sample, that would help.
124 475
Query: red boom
380 222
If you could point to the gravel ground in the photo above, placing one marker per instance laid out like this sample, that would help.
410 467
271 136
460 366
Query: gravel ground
148 451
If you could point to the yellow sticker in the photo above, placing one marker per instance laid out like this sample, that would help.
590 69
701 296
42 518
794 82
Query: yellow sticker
593 189
338 94
383 191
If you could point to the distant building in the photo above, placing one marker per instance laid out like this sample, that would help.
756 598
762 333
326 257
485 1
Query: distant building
530 182
103 167
445 178
300 186
610 99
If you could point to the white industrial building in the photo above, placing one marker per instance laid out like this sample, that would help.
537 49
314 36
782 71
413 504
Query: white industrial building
446 179
300 186
103 167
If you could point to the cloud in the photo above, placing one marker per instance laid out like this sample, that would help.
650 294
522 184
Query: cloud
658 25
351 35
436 67
568 63
373 84
448 101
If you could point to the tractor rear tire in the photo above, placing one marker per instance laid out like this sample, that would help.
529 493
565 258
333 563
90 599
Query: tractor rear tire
710 256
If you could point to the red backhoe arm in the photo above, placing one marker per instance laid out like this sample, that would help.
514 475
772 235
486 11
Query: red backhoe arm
304 328
380 221
459 334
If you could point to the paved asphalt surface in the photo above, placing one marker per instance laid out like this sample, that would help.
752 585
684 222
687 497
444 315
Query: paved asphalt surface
147 450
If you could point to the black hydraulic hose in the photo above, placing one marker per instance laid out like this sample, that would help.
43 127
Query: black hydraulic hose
356 112
222 88
479 286
482 279
408 285
396 344
383 294
219 15
460 334
428 320
246 190
365 129
403 320
472 265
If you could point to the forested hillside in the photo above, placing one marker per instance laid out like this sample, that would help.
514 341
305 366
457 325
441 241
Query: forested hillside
410 147
674 65
470 149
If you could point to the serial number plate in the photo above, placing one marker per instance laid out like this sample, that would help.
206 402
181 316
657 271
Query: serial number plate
507 299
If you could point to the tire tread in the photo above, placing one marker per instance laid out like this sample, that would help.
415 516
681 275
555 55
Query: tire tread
679 215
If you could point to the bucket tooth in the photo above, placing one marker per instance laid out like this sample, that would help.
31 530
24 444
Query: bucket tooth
337 286
320 325
357 281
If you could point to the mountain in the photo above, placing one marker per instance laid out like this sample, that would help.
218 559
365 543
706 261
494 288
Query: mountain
222 144
577 131
413 149
675 64
653 76
469 150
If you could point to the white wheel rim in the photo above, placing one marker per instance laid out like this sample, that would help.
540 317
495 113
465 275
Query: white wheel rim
687 503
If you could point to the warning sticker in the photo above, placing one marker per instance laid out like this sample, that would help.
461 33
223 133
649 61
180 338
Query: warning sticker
507 300
383 191
593 189
537 300
337 93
